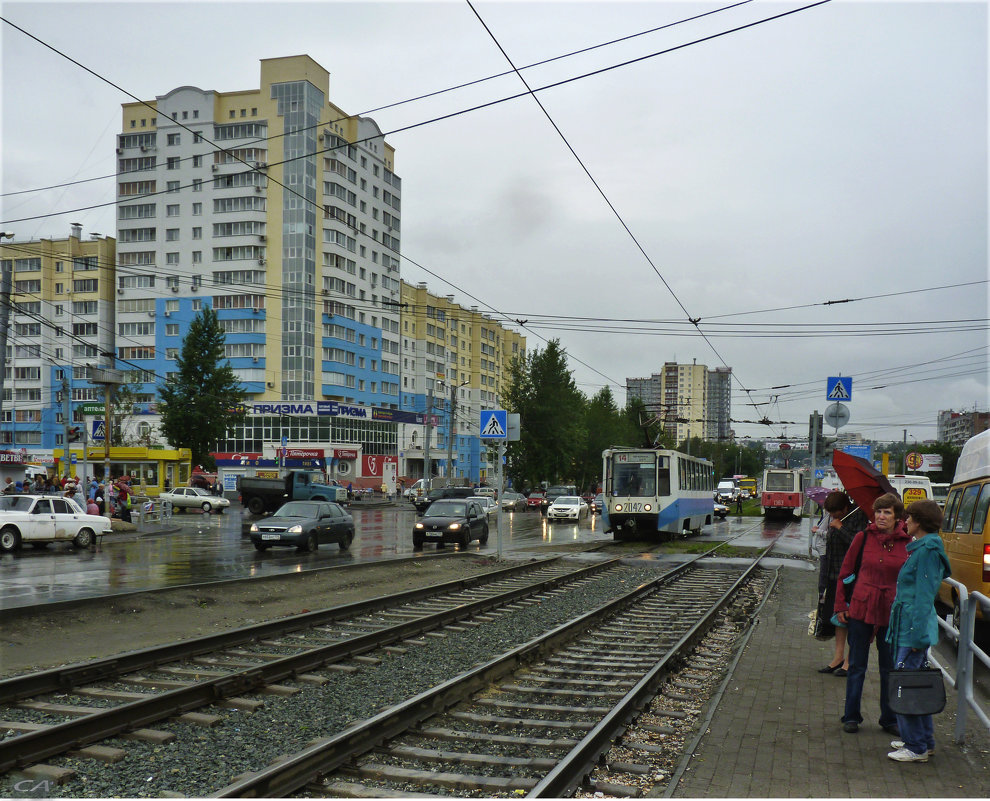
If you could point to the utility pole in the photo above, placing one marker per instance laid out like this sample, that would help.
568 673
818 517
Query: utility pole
66 422
450 432
427 467
5 287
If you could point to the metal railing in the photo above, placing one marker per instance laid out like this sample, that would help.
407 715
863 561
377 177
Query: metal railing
152 510
966 649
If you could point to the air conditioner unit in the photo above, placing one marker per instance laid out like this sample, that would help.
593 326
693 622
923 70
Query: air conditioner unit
215 167
255 309
120 290
259 189
144 148
120 150
271 385
326 291
261 262
261 237
193 288
168 314
254 359
262 165
175 289
151 314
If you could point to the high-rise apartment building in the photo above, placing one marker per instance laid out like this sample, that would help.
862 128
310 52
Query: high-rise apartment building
689 400
454 363
282 212
957 427
60 323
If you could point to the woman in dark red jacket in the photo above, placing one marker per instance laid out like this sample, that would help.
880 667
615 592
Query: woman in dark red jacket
883 545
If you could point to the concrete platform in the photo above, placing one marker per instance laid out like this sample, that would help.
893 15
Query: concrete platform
776 732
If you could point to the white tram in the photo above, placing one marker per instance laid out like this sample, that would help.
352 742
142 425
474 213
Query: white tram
651 491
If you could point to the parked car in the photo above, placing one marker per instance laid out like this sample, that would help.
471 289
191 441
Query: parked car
721 510
40 519
596 506
488 504
513 502
422 502
567 507
454 520
183 498
306 525
535 499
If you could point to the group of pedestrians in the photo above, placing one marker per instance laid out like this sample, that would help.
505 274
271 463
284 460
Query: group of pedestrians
878 584
96 498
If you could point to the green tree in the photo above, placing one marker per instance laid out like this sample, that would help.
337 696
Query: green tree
122 409
551 417
205 398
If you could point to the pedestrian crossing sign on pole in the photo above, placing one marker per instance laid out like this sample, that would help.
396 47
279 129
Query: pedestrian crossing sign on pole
839 388
494 424
99 431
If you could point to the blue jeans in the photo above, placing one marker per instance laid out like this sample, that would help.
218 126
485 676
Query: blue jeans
859 655
917 731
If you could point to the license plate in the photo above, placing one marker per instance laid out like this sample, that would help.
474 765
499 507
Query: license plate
271 536
434 535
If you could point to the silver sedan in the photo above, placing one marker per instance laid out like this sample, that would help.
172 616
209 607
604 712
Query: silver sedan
194 498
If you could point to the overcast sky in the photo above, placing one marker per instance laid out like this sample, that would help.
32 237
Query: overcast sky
839 152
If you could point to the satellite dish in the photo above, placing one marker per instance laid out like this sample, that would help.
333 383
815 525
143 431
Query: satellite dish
837 415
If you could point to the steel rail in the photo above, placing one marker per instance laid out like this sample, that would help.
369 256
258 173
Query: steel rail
323 756
567 776
37 745
63 678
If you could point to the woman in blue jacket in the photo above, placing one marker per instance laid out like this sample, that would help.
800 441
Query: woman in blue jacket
913 623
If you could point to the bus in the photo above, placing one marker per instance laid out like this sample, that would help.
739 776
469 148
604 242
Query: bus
656 492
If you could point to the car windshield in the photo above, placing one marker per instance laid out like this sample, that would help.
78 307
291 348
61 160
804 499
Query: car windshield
200 491
567 500
447 509
298 509
14 503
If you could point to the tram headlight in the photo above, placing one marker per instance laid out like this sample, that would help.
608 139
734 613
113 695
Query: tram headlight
618 507
648 507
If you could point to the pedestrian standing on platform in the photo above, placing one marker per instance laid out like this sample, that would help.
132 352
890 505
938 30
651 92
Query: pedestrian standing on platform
100 500
844 523
913 623
880 550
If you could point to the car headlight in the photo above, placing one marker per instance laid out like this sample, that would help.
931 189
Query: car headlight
254 528
420 525
454 526
295 530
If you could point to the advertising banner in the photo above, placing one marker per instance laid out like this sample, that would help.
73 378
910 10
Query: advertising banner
373 465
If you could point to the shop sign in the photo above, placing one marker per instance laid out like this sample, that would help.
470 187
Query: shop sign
373 465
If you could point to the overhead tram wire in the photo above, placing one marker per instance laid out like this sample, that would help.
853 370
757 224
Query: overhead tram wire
601 192
397 103
437 119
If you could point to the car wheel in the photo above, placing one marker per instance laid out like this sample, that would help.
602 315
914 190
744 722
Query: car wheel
417 543
465 539
256 506
83 539
346 542
484 535
311 543
207 507
956 612
261 546
10 539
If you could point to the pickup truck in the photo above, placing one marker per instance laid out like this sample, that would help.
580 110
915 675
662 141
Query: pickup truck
262 495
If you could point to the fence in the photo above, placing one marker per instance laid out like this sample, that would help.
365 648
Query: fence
152 510
966 649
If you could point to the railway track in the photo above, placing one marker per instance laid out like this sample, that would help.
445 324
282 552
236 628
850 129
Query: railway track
50 712
534 721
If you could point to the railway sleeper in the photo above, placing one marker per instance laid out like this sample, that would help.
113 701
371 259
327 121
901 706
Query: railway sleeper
559 681
339 789
527 723
522 689
500 739
464 758
504 703
457 781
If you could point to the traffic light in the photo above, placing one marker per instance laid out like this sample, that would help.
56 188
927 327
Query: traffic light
75 434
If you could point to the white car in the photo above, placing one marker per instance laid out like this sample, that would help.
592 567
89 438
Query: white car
194 498
39 519
567 507
488 504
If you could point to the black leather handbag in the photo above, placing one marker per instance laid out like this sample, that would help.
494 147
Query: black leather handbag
916 692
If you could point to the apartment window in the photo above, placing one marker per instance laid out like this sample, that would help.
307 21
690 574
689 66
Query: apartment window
172 330
172 258
197 185
171 234
197 161
59 289
197 233
172 305
89 285
172 186
171 354
172 210
197 257
172 163
197 209
197 304
173 139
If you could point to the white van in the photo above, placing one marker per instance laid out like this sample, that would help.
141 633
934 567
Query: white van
912 488
418 488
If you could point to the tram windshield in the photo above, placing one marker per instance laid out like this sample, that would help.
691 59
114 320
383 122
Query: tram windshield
635 475
779 482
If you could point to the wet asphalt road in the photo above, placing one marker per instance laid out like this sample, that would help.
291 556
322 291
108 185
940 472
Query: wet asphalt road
212 548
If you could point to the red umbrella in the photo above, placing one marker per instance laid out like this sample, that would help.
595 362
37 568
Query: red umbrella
861 480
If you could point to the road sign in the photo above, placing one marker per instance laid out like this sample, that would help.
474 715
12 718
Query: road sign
839 388
836 415
91 409
819 473
99 431
494 424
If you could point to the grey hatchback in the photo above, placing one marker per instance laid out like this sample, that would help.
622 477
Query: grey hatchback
452 520
305 524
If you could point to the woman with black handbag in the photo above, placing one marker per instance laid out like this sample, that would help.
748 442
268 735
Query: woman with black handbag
879 551
913 622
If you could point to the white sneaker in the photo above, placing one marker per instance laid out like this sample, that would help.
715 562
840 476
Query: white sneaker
907 755
898 744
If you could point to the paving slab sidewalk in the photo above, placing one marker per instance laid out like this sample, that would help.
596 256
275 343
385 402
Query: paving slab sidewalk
777 734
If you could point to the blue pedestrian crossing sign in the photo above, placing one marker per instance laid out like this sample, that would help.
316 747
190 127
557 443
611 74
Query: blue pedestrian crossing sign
819 473
839 388
99 431
494 424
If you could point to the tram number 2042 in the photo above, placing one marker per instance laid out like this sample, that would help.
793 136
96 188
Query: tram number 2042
633 507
